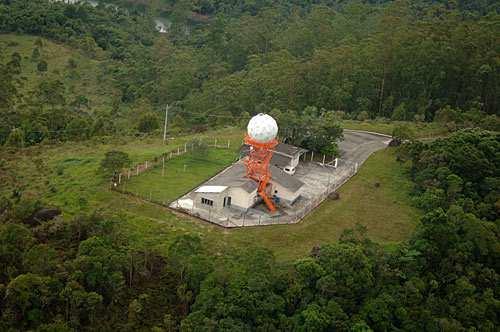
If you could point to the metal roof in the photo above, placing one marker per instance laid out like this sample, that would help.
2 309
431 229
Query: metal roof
285 180
283 153
288 149
235 176
211 189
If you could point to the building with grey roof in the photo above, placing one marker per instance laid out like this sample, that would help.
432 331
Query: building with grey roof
285 156
231 188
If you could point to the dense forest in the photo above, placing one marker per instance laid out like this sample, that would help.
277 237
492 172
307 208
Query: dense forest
60 274
311 65
220 61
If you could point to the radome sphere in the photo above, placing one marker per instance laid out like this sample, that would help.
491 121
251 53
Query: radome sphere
262 128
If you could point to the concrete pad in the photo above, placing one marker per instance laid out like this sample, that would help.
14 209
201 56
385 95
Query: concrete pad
319 181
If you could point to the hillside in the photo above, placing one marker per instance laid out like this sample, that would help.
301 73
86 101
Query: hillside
83 77
105 122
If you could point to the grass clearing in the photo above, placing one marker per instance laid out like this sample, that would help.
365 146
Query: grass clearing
67 175
181 174
385 211
420 129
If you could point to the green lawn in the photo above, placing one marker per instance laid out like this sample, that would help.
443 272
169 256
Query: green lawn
180 174
67 176
420 129
385 211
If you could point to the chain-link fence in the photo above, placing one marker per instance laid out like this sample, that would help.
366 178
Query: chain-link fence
125 175
253 217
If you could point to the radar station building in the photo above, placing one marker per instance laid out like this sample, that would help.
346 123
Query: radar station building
285 156
264 173
232 189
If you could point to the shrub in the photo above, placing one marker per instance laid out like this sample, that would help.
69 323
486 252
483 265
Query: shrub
42 66
148 123
114 161
16 138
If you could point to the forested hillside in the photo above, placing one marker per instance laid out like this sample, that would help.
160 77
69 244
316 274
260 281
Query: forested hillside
82 274
100 71
401 60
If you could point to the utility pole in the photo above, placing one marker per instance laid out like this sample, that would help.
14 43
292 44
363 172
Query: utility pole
165 126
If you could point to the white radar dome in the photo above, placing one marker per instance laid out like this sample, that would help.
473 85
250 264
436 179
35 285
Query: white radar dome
262 128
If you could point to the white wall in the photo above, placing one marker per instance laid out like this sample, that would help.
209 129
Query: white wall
217 198
241 198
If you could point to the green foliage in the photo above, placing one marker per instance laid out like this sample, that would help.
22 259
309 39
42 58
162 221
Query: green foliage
35 55
400 113
82 273
16 138
198 147
315 131
148 123
305 63
367 60
402 133
461 170
114 161
42 66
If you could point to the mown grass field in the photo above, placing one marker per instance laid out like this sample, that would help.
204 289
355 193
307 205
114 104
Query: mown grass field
67 176
180 174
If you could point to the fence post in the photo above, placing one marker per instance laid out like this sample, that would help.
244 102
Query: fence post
128 174
163 166
215 144
324 160
178 150
146 165
228 144
312 155
137 170
120 178
185 147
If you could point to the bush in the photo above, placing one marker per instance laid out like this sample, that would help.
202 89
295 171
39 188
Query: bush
199 148
148 123
402 133
400 113
42 66
16 138
114 161
363 116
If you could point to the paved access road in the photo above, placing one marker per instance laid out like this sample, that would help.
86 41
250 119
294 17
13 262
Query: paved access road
357 146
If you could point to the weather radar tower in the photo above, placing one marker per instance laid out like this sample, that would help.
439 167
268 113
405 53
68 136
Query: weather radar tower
261 137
